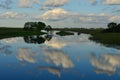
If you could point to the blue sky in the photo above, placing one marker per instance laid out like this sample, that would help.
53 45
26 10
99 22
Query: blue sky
60 13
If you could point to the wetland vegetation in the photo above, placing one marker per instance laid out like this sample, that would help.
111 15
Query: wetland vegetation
59 52
110 35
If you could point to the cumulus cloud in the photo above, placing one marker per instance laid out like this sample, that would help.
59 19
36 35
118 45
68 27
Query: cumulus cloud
111 2
58 58
99 18
6 4
55 3
12 15
54 15
92 18
114 18
59 14
28 3
24 54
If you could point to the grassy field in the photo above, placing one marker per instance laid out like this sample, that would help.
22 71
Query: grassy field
64 33
16 32
107 38
97 34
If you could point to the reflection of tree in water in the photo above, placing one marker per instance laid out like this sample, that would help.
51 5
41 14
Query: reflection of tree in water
34 39
38 39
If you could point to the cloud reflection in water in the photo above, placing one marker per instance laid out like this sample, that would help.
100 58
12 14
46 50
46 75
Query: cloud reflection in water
12 40
53 70
5 49
58 57
60 42
24 54
105 63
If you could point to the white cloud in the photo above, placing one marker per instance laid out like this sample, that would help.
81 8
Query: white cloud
86 20
111 2
54 15
100 18
60 14
55 3
12 15
28 3
114 18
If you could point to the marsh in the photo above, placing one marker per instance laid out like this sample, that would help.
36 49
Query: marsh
54 57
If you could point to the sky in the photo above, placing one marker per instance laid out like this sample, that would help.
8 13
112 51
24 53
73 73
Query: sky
60 13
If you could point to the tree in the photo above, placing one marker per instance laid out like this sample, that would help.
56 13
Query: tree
27 25
34 26
34 39
112 25
48 28
118 25
41 25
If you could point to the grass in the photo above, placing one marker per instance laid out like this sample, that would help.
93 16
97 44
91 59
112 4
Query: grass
107 38
97 34
16 32
64 33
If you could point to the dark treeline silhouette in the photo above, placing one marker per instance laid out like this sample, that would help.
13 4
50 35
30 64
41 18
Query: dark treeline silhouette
113 27
38 26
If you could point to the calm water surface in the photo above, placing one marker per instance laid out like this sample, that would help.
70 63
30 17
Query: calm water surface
54 57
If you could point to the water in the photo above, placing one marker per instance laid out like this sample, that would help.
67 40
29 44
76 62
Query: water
56 57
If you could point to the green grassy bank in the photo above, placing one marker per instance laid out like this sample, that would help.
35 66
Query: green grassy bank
16 32
97 34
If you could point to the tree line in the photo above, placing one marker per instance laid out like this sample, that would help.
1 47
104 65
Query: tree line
38 26
113 27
